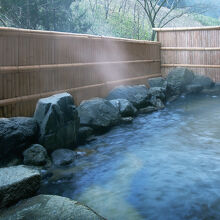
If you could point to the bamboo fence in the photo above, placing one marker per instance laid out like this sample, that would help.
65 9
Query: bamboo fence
36 64
195 48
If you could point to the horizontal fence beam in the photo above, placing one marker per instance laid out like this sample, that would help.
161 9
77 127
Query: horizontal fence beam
51 34
52 66
187 29
5 102
190 65
192 48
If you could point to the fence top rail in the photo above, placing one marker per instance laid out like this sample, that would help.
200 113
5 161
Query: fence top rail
187 28
72 35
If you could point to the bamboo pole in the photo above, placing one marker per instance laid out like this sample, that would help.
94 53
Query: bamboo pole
190 65
5 102
192 48
4 69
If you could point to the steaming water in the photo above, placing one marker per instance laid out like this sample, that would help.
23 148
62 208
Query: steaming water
165 165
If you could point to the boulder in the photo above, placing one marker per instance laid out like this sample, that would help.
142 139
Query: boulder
157 82
84 134
203 81
16 134
63 157
58 120
194 88
137 95
126 120
156 102
49 207
147 110
213 90
98 114
17 182
158 92
177 80
125 108
35 155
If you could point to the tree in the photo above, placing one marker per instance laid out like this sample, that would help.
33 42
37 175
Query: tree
57 15
174 9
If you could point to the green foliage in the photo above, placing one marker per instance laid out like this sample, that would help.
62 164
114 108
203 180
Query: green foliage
206 20
119 23
59 15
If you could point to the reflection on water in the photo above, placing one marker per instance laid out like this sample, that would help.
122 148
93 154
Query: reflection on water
165 165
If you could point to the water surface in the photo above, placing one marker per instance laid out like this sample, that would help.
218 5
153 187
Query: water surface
165 165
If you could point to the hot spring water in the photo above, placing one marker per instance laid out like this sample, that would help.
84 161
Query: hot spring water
165 165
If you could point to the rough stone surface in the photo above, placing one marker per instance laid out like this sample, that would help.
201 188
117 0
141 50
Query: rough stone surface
63 157
84 134
35 155
204 81
126 120
137 95
157 82
194 88
177 80
156 102
16 134
98 114
58 120
212 91
49 207
125 108
147 110
17 182
158 92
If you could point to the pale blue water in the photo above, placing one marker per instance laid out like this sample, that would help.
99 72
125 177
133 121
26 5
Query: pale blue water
165 165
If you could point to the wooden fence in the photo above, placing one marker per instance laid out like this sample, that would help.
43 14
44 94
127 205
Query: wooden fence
36 64
194 48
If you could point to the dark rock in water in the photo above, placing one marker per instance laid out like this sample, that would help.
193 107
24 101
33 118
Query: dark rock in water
16 134
177 80
127 120
36 155
137 95
49 207
158 92
212 91
17 182
157 82
172 98
58 120
194 88
147 110
98 114
63 157
156 102
125 108
204 81
84 134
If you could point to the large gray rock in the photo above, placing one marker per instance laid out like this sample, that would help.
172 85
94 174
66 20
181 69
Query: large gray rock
157 82
98 114
137 95
213 90
125 108
84 134
158 92
203 81
63 157
35 155
58 120
17 182
194 88
16 134
177 80
49 207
